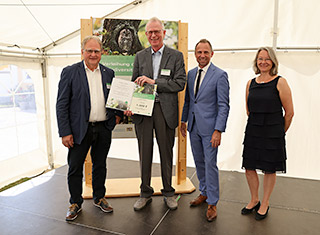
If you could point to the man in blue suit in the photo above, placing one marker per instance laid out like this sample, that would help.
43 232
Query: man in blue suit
84 122
206 110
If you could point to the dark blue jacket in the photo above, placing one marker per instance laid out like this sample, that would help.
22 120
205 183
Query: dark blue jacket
73 101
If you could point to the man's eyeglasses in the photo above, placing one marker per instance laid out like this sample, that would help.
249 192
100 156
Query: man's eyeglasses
156 32
90 51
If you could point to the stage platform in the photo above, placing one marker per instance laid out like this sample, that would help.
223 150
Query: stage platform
39 207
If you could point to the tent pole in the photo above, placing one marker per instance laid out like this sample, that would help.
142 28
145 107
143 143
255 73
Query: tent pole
48 131
275 25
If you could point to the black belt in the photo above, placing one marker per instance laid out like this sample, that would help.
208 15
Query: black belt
96 123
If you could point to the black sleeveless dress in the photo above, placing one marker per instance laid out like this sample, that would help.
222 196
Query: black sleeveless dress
264 142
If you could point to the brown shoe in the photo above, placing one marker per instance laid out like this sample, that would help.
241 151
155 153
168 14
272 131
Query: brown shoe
103 205
73 212
198 201
211 213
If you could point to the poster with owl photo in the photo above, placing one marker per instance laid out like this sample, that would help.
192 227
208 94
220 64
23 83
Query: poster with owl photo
123 38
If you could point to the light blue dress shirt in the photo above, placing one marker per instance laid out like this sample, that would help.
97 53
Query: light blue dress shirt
156 59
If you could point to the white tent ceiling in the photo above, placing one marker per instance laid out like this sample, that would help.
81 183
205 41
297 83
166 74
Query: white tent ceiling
229 24
38 23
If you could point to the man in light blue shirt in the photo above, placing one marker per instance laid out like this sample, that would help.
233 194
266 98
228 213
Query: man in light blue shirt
164 67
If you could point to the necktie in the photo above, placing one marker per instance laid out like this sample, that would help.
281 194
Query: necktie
198 83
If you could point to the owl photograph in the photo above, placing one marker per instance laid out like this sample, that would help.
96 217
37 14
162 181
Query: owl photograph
120 37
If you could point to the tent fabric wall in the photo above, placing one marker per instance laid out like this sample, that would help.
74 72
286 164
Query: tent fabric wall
228 23
33 162
233 27
298 23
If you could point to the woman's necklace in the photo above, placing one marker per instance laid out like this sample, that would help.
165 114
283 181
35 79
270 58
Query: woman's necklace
267 79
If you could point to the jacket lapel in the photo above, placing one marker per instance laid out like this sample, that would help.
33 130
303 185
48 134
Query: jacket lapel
164 59
149 66
206 78
104 81
192 77
83 77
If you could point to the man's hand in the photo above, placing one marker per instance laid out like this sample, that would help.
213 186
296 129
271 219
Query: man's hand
143 79
183 129
118 119
215 139
67 141
128 113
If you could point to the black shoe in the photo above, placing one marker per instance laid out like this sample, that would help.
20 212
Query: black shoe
246 211
261 217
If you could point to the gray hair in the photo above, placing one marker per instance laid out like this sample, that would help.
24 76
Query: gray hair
272 55
88 38
155 19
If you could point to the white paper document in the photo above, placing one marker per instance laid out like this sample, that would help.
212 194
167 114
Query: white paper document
126 95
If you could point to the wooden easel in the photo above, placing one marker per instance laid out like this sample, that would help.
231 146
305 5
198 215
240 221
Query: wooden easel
125 187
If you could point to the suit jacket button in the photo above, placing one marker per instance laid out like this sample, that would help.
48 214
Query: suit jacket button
195 102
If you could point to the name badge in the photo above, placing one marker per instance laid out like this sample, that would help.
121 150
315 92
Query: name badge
165 72
108 85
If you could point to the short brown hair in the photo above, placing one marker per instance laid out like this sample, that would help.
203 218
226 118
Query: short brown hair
272 55
203 41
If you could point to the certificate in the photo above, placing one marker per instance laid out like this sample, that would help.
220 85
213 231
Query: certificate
126 95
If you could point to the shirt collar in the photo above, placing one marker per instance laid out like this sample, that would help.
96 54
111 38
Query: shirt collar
160 50
205 68
87 68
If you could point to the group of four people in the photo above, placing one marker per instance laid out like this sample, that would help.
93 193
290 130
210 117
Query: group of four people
84 121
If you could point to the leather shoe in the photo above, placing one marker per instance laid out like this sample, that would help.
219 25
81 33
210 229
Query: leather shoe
198 201
246 211
103 205
142 203
261 217
211 213
171 202
73 212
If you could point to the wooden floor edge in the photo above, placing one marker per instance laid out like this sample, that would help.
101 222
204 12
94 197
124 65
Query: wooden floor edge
130 187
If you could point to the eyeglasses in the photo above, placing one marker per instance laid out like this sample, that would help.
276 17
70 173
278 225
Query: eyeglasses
90 51
262 59
156 32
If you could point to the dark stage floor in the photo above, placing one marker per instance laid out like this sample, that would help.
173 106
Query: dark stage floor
294 209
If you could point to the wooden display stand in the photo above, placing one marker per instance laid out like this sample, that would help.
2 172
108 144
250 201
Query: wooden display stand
131 186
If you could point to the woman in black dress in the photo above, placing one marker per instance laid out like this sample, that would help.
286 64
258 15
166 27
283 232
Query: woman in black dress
267 96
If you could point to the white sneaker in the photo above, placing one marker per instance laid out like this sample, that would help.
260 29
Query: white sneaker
141 203
171 202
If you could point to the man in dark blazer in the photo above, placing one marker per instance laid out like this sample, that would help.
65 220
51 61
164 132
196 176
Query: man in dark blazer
206 110
164 67
84 122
